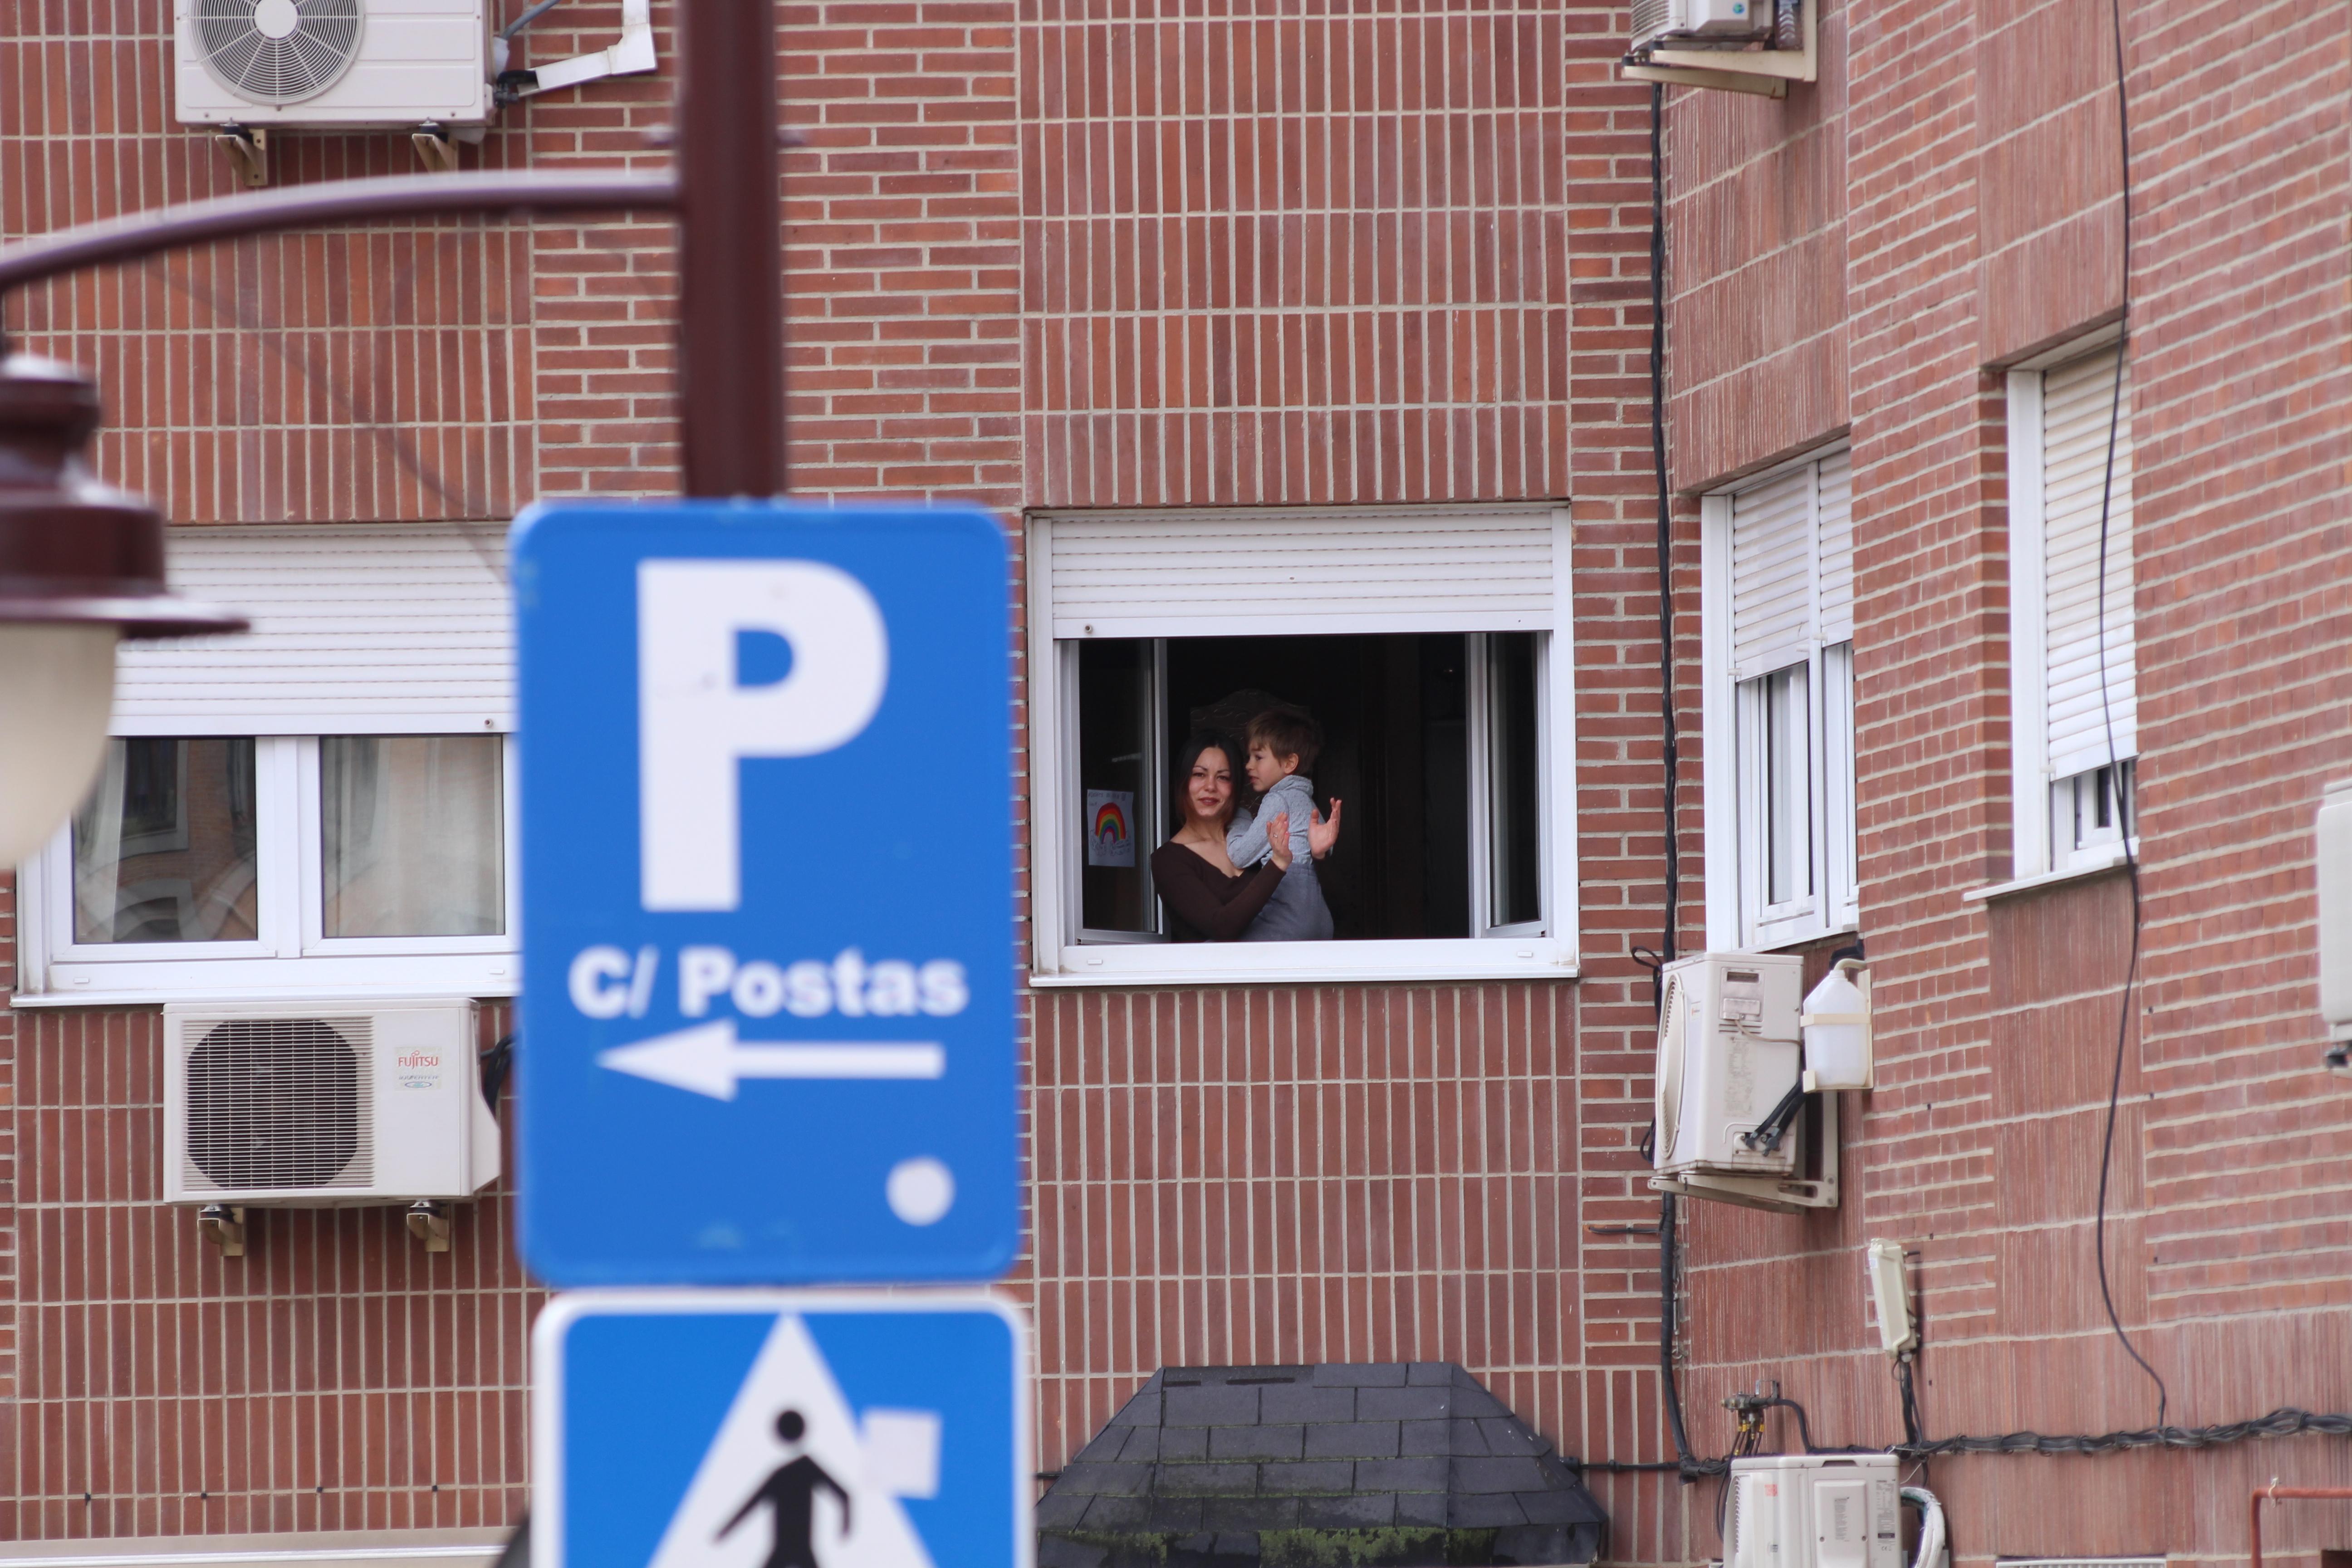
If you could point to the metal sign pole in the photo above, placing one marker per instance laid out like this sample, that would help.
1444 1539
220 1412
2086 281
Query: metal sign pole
730 381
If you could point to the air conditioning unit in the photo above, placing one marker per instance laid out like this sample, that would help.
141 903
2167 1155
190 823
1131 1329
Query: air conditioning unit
323 1106
1815 1510
341 64
1700 22
1727 1055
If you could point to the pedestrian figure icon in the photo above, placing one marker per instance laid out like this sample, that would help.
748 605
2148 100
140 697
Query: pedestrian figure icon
773 1429
790 1496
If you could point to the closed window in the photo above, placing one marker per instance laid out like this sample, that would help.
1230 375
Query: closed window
1422 645
1776 565
322 806
2073 703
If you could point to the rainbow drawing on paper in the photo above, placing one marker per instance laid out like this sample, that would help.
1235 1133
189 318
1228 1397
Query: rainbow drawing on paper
1110 828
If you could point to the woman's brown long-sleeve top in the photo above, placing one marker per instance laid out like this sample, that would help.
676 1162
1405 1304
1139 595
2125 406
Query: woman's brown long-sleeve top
1203 903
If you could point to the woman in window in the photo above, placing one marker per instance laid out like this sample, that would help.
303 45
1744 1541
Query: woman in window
1208 900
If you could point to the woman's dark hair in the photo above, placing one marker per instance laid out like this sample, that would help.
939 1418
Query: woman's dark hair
1188 753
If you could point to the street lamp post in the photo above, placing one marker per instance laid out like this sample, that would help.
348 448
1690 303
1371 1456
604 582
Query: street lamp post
81 568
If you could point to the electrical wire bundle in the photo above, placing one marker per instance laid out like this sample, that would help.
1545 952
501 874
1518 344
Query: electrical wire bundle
2284 1421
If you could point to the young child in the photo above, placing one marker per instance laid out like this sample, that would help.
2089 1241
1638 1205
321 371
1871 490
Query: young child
1282 744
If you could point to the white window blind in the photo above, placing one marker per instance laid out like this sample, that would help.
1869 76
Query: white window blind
2078 400
1239 573
1792 536
357 629
1835 505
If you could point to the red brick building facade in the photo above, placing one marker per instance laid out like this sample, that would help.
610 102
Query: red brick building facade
1156 259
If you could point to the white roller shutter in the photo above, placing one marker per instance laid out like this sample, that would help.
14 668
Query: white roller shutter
1836 508
1771 574
1260 573
2077 400
1791 566
357 629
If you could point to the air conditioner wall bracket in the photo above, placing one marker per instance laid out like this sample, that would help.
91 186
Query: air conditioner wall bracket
429 1222
248 149
222 1225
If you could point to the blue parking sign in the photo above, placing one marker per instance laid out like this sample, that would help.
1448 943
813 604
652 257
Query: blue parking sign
766 1031
752 1430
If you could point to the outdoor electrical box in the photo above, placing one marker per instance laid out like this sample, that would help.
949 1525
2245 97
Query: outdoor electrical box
2334 869
1890 1296
1815 1510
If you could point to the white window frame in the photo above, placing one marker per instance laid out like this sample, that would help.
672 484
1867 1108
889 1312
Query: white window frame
1738 917
1060 959
2036 798
289 958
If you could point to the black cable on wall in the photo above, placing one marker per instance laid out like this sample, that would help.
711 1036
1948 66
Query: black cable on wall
1687 1464
2123 804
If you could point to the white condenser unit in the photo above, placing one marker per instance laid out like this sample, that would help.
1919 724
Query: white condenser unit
324 1105
335 64
1813 1511
1700 22
1727 1056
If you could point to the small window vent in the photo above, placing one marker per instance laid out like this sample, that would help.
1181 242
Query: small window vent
275 1104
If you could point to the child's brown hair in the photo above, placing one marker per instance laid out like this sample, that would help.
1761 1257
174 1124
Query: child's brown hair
1287 732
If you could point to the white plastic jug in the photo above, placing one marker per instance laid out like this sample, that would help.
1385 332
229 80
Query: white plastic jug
1836 1029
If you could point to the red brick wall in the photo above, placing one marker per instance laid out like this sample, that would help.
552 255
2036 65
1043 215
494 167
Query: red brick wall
1981 224
1299 1174
1756 269
1286 257
336 1377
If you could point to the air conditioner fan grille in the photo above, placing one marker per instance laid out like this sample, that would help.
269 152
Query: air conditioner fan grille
1651 18
278 51
280 1104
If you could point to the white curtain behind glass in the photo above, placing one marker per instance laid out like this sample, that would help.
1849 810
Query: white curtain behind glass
411 836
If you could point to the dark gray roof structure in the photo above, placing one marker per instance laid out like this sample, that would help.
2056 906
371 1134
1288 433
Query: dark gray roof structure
1363 1464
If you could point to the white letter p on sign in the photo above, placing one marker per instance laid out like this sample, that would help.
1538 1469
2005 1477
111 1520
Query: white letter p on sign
695 723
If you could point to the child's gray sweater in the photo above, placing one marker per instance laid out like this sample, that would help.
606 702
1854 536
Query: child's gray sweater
1296 911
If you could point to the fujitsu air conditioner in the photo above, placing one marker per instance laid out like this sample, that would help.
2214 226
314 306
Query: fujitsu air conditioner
1702 22
335 64
323 1106
1815 1510
1728 1057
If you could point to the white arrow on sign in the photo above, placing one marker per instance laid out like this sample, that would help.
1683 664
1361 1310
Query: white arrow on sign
707 1059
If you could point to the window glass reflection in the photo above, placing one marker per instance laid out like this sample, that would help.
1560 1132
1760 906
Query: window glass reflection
163 847
1788 786
411 836
1514 809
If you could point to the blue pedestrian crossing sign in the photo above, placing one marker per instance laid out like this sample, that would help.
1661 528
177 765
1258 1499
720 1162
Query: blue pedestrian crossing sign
766 1030
733 1429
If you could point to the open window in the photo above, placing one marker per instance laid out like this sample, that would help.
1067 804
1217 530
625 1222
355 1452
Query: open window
321 807
1422 643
